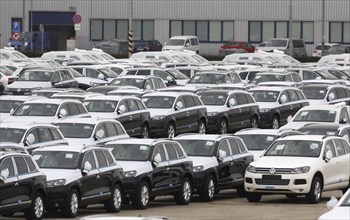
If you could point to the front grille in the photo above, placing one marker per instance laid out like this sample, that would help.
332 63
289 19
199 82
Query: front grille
277 170
280 182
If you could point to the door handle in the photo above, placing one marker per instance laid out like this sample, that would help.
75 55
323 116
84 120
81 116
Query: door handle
240 110
130 117
187 113
98 177
16 183
291 106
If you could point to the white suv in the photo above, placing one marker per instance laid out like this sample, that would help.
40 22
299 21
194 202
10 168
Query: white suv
300 165
182 43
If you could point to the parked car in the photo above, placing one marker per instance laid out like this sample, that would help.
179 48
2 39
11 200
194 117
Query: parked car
300 165
340 210
320 94
22 186
282 44
229 111
236 47
264 77
153 168
327 129
175 113
141 82
219 162
131 112
146 45
167 78
96 71
213 78
338 49
277 104
182 43
48 92
317 52
78 176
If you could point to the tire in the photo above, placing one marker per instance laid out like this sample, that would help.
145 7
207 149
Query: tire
207 194
36 209
241 191
70 210
201 127
275 122
315 194
291 196
145 131
184 196
171 130
254 122
223 127
253 197
114 204
142 197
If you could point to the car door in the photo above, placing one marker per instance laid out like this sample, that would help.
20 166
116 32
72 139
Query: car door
342 161
134 118
345 133
294 102
67 80
285 108
243 111
224 167
143 113
182 115
9 195
105 175
160 174
193 119
238 164
175 166
331 167
90 181
124 116
233 112
32 140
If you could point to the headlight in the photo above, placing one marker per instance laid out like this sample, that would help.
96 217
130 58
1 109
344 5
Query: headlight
131 173
251 169
212 114
300 170
264 110
197 169
158 117
53 183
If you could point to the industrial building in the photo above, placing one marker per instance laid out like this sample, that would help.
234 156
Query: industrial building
213 21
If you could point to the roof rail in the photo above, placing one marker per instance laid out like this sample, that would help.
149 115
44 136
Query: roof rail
186 134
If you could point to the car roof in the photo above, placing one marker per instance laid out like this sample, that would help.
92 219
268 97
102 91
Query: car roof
138 141
228 92
134 77
91 121
249 131
323 126
307 137
183 37
171 94
24 125
20 97
53 101
322 107
110 97
268 88
70 148
211 137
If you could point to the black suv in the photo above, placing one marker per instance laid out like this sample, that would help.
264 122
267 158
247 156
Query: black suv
219 162
78 176
229 110
147 45
175 113
22 185
153 168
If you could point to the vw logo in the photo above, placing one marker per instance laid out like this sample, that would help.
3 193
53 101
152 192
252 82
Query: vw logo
18 90
272 170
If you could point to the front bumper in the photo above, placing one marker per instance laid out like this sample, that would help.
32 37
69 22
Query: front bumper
213 124
199 179
18 92
265 119
56 197
130 186
158 128
287 183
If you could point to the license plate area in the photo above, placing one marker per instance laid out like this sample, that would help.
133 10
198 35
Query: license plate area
271 177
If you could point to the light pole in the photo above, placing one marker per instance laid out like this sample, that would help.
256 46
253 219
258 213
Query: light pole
323 21
130 27
31 25
290 28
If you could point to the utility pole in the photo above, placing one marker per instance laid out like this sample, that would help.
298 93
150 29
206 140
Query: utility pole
31 25
23 22
290 28
130 27
323 21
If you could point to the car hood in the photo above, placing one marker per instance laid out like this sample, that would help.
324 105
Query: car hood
181 47
104 115
182 82
4 116
272 48
283 162
318 102
206 162
199 85
216 108
296 125
140 166
80 141
69 175
256 154
160 111
29 85
269 105
30 119
89 81
338 213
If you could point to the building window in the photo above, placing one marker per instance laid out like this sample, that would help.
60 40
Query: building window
339 32
206 31
260 31
96 28
143 29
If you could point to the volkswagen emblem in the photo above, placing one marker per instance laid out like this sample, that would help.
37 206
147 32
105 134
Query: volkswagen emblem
18 90
272 170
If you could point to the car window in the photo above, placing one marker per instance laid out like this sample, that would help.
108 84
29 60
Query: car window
194 41
7 164
346 146
44 134
346 134
158 83
119 128
293 95
223 146
34 132
171 151
144 72
108 156
90 158
285 93
81 109
55 134
330 147
300 95
80 70
111 129
159 150
308 75
178 150
339 147
30 164
196 100
55 77
101 159
21 165
249 98
189 102
234 146
161 74
340 93
73 109
132 105
344 116
65 75
131 72
92 73
241 147
241 99
148 84
180 99
140 105
123 103
296 77
65 107
288 78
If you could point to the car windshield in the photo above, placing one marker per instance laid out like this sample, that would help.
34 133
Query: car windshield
314 93
267 78
265 96
45 94
208 79
11 134
257 141
213 98
201 148
319 47
133 152
75 130
108 72
346 201
177 74
140 44
317 131
36 109
7 105
325 74
138 95
40 76
315 116
100 105
175 42
129 82
295 148
276 43
158 101
232 44
56 159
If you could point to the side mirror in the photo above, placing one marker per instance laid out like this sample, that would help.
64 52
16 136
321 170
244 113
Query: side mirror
99 134
331 96
179 105
328 156
121 109
187 44
318 78
101 76
53 82
283 99
148 86
4 174
289 118
231 102
12 111
157 159
222 155
343 121
87 167
169 79
29 140
63 113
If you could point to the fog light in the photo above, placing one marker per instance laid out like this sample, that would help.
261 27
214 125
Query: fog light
301 190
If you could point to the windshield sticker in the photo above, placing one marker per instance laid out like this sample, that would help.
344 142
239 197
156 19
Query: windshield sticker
86 126
257 77
143 147
69 156
314 146
36 156
209 143
270 138
332 112
117 82
25 107
304 113
280 147
322 91
196 77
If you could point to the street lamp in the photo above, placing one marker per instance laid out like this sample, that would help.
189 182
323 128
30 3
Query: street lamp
130 27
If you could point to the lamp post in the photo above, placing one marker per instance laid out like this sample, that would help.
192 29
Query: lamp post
130 27
290 28
323 21
31 25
